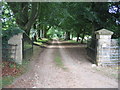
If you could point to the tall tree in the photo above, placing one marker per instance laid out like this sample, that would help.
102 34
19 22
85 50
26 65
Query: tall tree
25 13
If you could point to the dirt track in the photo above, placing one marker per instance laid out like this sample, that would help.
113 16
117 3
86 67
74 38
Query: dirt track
78 73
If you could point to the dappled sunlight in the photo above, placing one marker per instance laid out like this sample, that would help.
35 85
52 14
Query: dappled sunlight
65 44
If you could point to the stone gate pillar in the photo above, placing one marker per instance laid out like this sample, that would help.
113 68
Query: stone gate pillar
103 37
17 40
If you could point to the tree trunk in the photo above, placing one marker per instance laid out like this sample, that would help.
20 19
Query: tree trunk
23 21
78 35
45 31
38 30
45 34
83 35
39 34
35 36
67 35
72 36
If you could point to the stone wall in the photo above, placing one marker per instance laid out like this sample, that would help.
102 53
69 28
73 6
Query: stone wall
114 42
17 40
114 55
107 48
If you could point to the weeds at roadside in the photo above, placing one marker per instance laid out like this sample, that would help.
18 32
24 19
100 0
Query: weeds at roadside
109 71
7 80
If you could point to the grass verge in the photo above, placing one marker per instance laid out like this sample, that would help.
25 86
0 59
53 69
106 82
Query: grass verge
7 80
73 41
43 40
38 43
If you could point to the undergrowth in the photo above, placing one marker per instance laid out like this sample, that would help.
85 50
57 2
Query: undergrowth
7 80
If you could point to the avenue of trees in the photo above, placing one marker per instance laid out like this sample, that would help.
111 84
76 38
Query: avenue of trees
43 19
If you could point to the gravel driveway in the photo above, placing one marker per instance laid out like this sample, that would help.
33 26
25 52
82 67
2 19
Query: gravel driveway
78 72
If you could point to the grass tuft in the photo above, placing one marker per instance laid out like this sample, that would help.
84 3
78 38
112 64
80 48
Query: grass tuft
59 62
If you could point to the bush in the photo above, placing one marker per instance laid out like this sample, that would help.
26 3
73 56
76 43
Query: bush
7 34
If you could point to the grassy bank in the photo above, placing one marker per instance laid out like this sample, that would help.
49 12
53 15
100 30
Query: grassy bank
41 42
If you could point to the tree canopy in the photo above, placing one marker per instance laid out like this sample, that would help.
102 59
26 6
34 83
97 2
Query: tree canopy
79 19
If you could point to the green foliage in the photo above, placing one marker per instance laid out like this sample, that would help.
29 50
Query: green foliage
38 43
7 34
76 18
8 19
43 40
27 45
7 80
11 65
25 13
55 33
